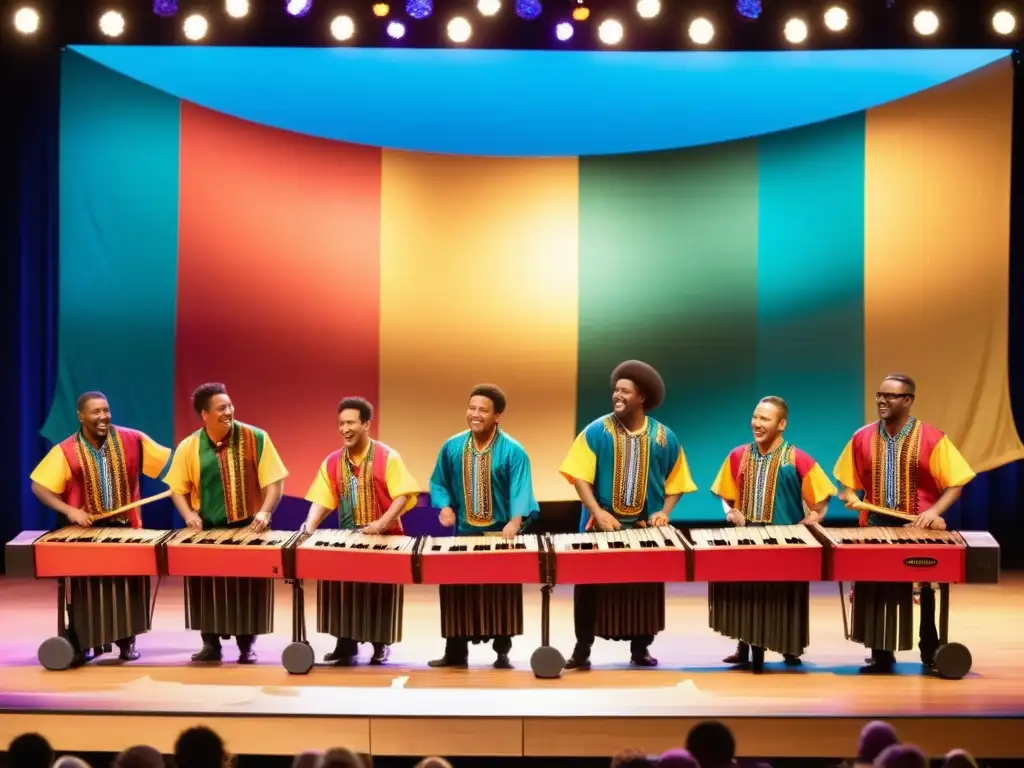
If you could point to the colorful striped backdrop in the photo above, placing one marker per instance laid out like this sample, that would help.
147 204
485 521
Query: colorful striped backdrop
806 262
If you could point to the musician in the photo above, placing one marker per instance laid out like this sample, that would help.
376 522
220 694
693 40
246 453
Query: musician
226 475
482 483
93 471
903 464
378 489
629 471
767 482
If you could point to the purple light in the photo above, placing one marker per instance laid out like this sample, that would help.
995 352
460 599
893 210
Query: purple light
563 31
528 9
419 9
298 7
396 30
749 9
165 8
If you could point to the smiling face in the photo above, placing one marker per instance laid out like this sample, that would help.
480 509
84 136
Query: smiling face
767 424
481 416
218 415
95 419
627 400
353 429
893 401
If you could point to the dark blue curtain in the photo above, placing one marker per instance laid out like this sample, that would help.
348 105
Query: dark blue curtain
30 149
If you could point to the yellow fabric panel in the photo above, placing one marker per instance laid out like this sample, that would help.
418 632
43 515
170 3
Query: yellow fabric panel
724 484
154 456
580 463
816 487
948 466
679 479
322 490
479 263
400 481
936 258
53 472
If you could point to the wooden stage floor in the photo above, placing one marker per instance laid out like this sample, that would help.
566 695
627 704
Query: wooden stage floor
406 708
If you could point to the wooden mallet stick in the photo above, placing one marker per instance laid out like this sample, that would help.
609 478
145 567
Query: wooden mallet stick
127 507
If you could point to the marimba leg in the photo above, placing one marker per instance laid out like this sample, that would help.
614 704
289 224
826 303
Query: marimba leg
952 660
546 662
298 657
58 653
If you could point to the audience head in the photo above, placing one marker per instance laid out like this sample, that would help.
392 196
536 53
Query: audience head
433 762
901 756
200 747
711 744
139 757
71 762
341 757
632 758
308 760
677 758
959 758
875 737
30 750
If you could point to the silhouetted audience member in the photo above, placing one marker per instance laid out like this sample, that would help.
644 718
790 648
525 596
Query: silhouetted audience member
632 758
200 747
342 757
875 738
677 758
30 750
901 756
711 744
959 758
139 757
433 762
71 762
308 760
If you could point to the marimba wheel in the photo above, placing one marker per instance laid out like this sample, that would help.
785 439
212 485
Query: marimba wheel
56 653
953 661
298 658
547 662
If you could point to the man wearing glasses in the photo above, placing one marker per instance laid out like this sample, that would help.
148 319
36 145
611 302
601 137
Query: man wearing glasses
908 466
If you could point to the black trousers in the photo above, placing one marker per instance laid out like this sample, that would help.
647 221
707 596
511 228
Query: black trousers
927 635
585 620
457 648
245 642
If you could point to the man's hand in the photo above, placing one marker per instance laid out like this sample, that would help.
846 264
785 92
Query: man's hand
511 529
80 517
608 522
193 521
929 519
659 519
736 517
447 517
373 529
261 522
849 498
812 518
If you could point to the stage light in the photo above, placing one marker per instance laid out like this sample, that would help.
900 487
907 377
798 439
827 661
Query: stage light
795 31
701 31
580 13
648 9
380 10
564 31
459 30
165 8
298 7
749 9
488 7
610 32
419 9
836 18
926 22
236 9
112 24
1004 22
343 28
528 9
195 27
26 21
396 30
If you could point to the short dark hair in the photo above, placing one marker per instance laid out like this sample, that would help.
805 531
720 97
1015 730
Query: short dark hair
199 747
31 751
712 744
902 756
492 393
779 403
139 757
632 758
360 404
906 381
342 757
204 394
85 397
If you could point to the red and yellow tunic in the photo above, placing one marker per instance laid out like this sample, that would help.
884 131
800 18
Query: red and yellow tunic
371 482
907 473
99 480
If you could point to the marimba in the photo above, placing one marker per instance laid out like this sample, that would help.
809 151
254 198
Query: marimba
348 555
482 560
77 551
638 556
228 552
755 553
